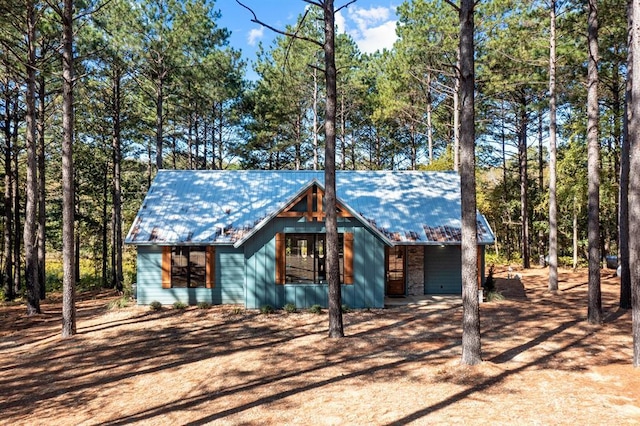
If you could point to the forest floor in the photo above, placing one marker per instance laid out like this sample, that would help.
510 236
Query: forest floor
543 364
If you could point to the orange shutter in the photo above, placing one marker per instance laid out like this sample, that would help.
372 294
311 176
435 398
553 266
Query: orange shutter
211 267
166 267
280 258
348 258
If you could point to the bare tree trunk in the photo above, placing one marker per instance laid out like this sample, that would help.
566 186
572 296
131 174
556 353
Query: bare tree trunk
7 273
343 133
623 198
17 223
331 221
505 186
117 189
68 190
30 231
315 119
429 120
42 193
541 239
456 118
553 206
575 233
594 315
189 141
196 129
524 186
633 116
104 226
471 348
159 120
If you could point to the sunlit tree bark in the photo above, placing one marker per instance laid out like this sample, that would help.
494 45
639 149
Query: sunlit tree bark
594 314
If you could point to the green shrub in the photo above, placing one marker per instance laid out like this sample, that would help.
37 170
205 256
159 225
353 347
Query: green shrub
345 308
128 281
204 305
290 308
180 305
315 309
266 309
155 305
119 303
494 296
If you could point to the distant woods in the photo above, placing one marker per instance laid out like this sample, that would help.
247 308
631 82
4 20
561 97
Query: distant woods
159 86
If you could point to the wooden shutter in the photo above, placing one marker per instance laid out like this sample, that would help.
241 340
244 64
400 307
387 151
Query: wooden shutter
210 268
280 258
348 258
166 267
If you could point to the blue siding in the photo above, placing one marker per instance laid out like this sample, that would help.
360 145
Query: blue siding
229 285
247 274
229 279
442 270
368 266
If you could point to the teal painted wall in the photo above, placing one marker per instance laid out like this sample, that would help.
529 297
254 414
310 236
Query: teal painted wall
367 291
229 280
246 275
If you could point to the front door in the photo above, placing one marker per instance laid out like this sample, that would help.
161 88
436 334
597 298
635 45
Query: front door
395 265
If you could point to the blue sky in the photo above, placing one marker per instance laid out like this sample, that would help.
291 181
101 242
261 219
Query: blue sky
371 23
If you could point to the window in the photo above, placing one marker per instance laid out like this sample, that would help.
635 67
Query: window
300 258
187 267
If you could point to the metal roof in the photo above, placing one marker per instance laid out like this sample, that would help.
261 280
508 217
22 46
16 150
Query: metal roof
228 206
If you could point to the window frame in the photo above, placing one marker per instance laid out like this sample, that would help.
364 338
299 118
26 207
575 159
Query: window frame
283 239
167 267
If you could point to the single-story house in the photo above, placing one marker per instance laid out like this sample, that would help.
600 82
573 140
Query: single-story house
257 238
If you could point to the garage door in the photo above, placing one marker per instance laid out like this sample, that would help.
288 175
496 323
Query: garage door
442 270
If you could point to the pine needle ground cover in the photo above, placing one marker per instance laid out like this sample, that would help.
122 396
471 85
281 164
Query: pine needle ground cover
543 364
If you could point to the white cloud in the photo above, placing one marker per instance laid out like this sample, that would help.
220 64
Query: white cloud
255 35
377 38
372 29
366 17
340 22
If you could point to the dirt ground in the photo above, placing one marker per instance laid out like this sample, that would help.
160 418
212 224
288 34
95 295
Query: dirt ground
543 364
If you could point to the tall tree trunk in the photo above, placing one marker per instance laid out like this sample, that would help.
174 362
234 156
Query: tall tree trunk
471 348
429 119
524 186
633 116
333 266
189 141
553 205
623 198
575 233
117 184
7 273
343 133
315 118
17 223
456 117
104 226
159 120
196 129
42 193
594 315
30 231
505 184
68 190
541 240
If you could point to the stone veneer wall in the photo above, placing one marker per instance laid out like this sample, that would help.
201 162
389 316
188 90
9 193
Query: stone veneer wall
415 270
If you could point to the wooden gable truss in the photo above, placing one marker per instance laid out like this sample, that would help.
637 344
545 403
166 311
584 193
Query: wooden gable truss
313 206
